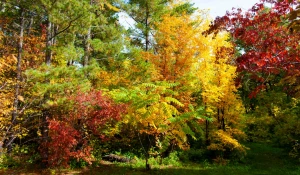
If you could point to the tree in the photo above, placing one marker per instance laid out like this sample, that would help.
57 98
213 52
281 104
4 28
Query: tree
293 16
154 116
268 64
102 28
269 48
92 114
17 33
219 95
178 46
145 14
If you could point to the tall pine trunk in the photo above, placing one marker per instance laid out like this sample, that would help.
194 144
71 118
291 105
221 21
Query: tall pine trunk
45 112
49 43
147 28
14 118
87 48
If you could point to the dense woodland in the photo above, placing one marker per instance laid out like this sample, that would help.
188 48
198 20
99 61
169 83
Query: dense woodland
76 85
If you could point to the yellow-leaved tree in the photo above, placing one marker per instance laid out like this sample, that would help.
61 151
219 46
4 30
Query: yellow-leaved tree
179 43
7 69
184 60
184 55
154 117
217 74
159 108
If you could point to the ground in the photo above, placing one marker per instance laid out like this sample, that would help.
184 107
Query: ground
262 159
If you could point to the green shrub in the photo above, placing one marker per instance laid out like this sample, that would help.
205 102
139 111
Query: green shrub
194 155
34 158
74 163
172 159
7 161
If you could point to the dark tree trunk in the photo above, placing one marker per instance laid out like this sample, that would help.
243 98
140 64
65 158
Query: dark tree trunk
207 141
147 28
219 119
45 135
223 126
45 112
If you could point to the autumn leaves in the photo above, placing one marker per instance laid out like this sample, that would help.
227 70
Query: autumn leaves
153 88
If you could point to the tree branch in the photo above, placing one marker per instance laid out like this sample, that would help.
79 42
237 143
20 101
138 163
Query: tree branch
3 85
69 25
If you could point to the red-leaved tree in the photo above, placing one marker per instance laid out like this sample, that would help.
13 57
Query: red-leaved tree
268 47
93 114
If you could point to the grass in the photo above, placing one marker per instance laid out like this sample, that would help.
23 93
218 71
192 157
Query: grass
262 159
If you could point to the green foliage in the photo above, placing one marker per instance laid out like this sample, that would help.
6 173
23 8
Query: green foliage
275 119
185 8
98 148
295 152
263 159
7 161
259 128
172 160
57 80
193 155
154 111
156 162
74 163
145 13
180 85
34 158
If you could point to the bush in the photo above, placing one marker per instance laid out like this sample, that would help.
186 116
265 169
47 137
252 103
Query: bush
225 146
172 159
7 161
259 128
194 155
295 152
74 163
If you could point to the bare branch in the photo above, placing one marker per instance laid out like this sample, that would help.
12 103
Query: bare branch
3 85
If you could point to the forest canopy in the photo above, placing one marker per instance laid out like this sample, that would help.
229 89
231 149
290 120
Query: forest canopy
75 85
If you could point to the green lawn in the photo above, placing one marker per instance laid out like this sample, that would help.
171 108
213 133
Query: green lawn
262 159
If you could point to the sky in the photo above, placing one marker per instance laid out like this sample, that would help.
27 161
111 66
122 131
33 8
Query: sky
219 7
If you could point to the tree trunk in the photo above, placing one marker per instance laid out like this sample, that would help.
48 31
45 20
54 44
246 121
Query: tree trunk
49 43
223 126
219 119
45 112
45 135
147 28
30 25
146 150
87 48
10 132
207 141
